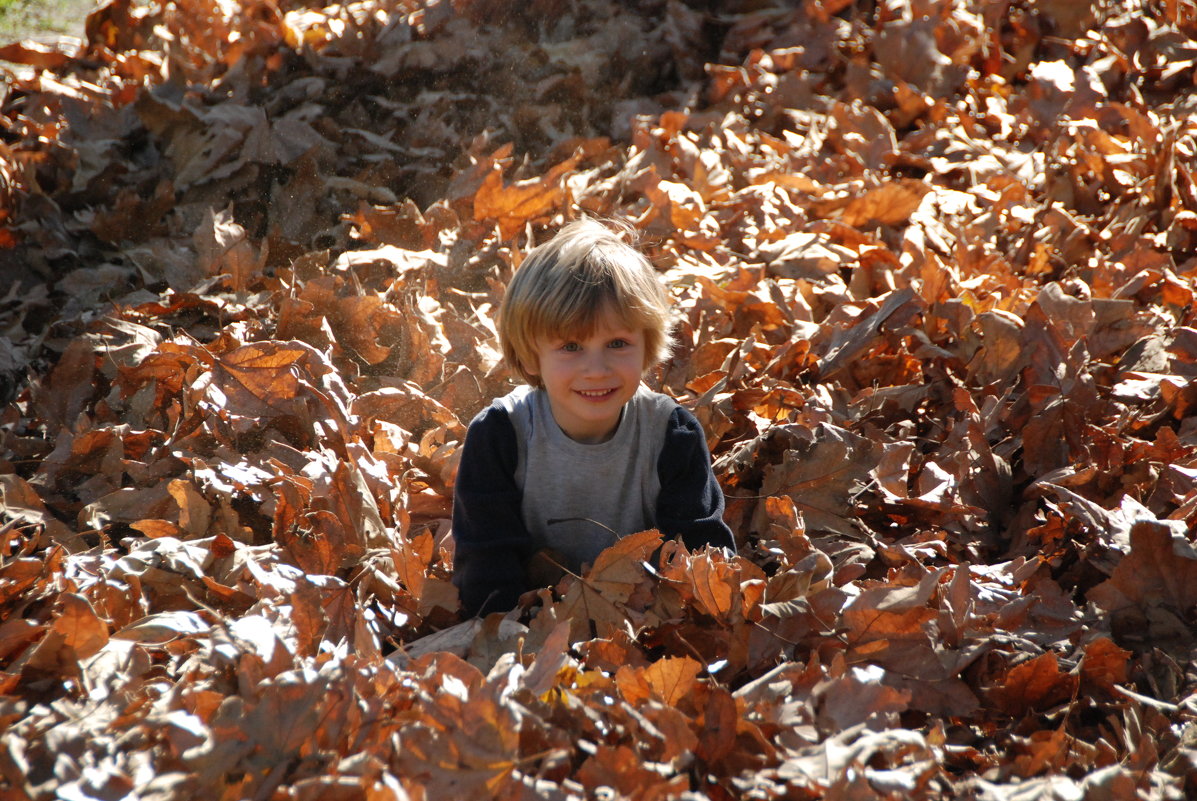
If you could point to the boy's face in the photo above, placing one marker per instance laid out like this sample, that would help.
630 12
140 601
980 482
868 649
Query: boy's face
589 378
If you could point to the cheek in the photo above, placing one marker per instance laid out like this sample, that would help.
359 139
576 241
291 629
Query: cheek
634 359
550 366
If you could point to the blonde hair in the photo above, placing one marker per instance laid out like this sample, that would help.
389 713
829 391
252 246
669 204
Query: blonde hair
564 286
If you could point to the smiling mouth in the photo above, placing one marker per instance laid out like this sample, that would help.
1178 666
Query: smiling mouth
595 394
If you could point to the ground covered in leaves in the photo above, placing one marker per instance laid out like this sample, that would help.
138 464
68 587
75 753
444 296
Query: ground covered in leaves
933 263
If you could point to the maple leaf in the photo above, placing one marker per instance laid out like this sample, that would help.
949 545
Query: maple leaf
822 475
600 601
672 679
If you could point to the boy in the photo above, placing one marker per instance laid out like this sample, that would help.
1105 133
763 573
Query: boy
558 470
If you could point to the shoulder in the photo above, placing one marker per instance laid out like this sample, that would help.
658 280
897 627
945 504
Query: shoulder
490 448
671 418
517 401
491 426
519 407
507 412
676 431
683 421
683 431
656 407
684 445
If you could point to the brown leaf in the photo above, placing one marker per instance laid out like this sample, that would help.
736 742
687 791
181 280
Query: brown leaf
931 271
1104 664
890 204
822 476
858 696
19 502
16 634
260 377
806 255
1153 590
622 769
601 597
69 386
712 590
717 739
847 344
909 49
34 54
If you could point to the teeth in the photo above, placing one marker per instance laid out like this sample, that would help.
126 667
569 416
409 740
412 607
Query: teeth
593 393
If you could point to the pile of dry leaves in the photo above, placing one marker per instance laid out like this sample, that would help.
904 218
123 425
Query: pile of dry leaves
934 264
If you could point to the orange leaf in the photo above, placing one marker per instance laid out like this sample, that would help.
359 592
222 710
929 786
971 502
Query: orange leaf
1105 664
715 585
81 628
1034 684
517 204
889 204
672 678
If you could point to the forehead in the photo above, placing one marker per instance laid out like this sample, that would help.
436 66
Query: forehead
604 322
608 319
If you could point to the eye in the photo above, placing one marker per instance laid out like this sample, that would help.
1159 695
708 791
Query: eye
571 347
619 343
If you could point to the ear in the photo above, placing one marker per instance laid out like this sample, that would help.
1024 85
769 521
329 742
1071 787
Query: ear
531 366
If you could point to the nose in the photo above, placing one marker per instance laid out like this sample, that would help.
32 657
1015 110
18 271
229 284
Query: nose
596 363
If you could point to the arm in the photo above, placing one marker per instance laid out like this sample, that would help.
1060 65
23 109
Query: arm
491 541
691 501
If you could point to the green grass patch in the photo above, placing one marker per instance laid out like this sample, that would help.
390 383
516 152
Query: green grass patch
36 19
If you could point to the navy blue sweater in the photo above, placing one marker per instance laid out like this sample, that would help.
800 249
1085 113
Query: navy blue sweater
492 543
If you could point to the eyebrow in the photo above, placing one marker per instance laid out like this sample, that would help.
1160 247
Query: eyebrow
582 331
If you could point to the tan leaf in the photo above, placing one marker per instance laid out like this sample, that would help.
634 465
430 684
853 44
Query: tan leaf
194 511
224 248
164 627
673 678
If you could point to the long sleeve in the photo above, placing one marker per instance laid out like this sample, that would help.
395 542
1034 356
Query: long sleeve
691 501
492 544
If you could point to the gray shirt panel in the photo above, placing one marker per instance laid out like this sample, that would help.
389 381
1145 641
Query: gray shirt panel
579 498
